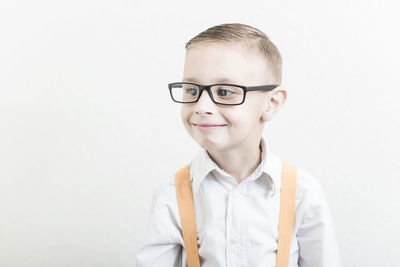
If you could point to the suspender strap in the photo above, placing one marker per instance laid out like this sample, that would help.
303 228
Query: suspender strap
186 213
286 214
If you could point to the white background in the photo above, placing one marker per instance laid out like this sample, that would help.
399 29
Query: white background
88 131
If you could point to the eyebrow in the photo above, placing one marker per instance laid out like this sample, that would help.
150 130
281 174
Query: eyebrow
219 80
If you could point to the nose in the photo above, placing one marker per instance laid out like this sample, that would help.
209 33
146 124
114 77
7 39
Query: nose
204 104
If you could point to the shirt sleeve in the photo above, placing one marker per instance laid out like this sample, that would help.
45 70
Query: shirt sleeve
163 243
316 235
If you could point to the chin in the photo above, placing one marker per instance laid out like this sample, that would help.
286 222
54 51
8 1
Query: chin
206 143
209 145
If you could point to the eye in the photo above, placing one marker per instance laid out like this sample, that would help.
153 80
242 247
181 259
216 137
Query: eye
191 91
224 92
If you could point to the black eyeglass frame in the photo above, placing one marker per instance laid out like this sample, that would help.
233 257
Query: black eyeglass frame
208 89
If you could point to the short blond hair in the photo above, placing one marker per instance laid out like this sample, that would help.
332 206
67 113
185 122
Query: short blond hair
243 34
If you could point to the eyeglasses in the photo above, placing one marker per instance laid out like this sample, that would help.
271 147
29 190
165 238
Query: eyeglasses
224 94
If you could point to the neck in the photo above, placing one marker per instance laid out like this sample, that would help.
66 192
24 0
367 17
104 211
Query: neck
239 162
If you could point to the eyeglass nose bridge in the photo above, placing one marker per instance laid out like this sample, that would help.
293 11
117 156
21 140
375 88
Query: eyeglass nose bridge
208 89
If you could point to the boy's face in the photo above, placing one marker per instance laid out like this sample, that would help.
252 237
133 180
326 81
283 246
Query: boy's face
232 126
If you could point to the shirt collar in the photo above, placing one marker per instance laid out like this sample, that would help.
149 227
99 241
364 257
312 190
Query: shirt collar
270 165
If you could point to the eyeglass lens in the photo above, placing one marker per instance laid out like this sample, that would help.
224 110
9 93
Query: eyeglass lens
224 94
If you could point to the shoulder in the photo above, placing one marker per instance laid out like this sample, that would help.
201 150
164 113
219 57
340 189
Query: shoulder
307 182
309 190
164 221
311 201
164 206
165 194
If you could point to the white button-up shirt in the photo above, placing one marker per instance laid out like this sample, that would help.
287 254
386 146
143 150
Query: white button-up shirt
237 223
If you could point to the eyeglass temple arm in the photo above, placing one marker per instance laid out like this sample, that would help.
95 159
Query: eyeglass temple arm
262 87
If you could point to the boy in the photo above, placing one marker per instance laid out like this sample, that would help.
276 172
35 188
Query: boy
236 180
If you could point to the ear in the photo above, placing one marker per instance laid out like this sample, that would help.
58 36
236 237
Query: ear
275 100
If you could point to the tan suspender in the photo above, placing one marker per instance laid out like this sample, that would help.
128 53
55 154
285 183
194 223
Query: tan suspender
186 213
286 214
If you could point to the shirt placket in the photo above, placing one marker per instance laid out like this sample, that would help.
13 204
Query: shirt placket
235 239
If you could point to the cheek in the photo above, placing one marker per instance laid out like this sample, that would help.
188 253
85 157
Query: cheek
236 119
185 114
245 118
258 105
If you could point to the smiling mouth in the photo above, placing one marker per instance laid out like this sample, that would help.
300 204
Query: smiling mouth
208 127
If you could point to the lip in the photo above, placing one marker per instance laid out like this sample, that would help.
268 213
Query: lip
208 127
